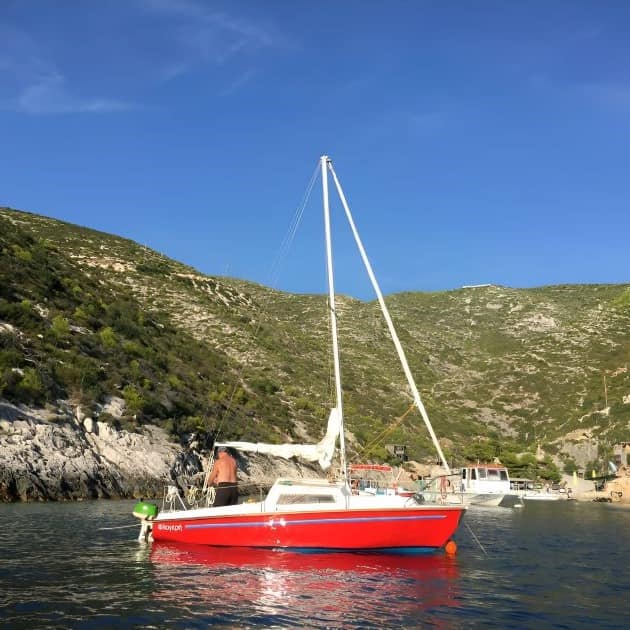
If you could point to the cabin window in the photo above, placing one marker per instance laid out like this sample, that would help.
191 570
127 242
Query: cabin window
473 473
482 473
292 499
367 484
504 475
493 474
464 474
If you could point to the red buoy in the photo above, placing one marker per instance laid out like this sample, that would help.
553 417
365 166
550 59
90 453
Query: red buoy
451 548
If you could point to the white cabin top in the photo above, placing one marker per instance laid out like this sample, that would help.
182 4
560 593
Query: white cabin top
492 478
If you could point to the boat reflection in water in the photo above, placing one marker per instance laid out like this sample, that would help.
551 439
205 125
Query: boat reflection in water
244 585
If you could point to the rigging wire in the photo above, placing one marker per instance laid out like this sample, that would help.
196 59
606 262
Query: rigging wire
284 249
385 431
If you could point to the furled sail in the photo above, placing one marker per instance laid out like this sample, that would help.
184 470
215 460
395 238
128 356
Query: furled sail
321 452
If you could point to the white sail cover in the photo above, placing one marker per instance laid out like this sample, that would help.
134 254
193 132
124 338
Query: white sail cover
321 452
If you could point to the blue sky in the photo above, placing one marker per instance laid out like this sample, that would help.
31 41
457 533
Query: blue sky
476 141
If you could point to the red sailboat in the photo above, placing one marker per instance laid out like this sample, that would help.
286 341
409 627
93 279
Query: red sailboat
317 514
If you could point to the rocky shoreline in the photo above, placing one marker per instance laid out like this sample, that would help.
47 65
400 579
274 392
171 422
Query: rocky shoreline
615 490
47 456
64 456
70 458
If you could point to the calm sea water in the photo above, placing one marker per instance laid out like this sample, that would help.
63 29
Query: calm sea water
564 565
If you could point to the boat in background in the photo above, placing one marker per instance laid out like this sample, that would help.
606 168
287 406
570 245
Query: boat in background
541 496
376 479
476 484
530 490
317 514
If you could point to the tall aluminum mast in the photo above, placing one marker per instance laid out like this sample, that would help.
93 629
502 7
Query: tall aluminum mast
324 162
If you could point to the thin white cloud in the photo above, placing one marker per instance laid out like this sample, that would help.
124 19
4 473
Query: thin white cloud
238 82
610 95
173 70
251 33
183 36
199 35
547 75
50 95
32 85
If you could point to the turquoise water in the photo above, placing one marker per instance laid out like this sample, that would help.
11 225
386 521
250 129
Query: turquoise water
559 565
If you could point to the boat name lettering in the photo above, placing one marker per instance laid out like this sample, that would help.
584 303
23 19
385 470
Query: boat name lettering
170 528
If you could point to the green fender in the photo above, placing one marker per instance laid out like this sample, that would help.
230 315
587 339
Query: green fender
145 510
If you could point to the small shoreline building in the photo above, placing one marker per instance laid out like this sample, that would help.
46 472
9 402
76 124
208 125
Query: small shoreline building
621 454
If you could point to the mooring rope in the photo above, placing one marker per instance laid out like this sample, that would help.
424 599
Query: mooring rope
475 537
119 527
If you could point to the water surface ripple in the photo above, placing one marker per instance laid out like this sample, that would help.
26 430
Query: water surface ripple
562 565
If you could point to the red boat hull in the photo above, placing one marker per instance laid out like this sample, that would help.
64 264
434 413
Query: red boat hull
409 530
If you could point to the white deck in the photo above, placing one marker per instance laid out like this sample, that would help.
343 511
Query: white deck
304 495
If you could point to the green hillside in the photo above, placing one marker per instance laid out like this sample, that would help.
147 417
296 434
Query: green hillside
86 315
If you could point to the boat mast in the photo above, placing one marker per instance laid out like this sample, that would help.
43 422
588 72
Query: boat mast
388 319
325 160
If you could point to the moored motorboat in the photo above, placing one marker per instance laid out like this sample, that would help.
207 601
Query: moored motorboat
540 496
475 484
